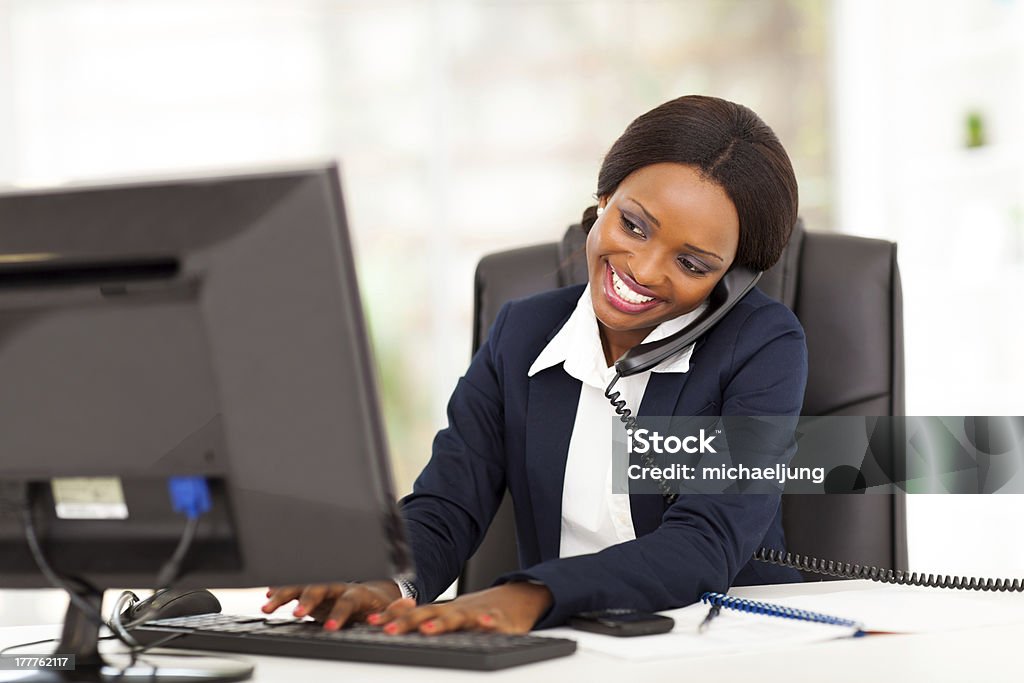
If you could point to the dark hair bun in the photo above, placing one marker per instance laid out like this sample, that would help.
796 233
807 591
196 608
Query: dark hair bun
589 218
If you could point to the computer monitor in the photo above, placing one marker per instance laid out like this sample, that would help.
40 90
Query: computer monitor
202 327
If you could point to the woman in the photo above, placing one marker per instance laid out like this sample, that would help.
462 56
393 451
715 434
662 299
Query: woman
690 189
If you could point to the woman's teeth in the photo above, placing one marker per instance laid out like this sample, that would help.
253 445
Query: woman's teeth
626 293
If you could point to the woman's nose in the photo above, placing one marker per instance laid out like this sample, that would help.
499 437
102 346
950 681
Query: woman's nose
647 269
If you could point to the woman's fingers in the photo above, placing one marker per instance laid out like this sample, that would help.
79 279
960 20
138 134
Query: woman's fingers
445 618
339 603
490 620
394 609
458 618
410 619
335 604
356 600
511 608
401 606
280 596
311 598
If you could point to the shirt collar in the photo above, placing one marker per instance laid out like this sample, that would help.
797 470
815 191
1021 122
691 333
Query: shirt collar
578 345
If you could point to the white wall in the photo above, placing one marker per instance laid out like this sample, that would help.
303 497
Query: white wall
906 76
462 127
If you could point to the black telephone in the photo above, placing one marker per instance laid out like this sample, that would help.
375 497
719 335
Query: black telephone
733 286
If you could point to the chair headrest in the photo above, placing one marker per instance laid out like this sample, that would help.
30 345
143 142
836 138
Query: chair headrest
572 257
780 281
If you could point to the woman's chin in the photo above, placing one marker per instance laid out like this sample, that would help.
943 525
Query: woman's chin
616 321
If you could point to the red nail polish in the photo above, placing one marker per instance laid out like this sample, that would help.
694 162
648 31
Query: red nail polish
373 619
331 625
429 626
391 628
300 611
486 619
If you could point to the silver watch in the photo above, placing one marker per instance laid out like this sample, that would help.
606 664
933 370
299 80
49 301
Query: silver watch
407 588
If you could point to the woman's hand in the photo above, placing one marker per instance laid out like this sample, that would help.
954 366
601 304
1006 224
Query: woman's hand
335 604
510 608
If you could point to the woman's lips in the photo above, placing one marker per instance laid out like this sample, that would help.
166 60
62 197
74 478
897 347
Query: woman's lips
617 300
632 284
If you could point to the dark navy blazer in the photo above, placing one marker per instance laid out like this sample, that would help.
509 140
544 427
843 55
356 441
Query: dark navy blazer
509 430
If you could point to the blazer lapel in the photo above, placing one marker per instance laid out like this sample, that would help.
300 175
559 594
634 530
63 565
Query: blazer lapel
550 414
660 398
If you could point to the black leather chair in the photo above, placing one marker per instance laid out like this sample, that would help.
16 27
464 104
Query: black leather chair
846 292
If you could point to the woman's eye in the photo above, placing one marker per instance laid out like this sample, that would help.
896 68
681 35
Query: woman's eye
691 266
632 227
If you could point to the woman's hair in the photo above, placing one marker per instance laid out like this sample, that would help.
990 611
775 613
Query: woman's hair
732 147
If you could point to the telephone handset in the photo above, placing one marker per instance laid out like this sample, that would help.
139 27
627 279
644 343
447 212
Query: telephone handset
726 294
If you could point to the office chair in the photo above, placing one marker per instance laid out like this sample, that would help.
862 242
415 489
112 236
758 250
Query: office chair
846 293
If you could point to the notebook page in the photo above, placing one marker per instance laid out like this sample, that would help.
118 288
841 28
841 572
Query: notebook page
730 632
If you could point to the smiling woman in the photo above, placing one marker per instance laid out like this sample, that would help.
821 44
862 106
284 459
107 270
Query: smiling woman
691 189
695 185
644 271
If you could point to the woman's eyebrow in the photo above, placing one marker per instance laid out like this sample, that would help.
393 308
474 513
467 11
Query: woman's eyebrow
647 213
705 251
654 220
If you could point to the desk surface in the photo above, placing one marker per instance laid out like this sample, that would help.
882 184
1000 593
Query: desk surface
988 654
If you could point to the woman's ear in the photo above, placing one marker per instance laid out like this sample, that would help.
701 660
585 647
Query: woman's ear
592 213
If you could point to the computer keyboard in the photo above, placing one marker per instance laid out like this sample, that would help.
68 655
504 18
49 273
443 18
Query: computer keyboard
357 643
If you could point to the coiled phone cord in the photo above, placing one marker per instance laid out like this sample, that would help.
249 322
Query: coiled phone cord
846 570
816 565
628 419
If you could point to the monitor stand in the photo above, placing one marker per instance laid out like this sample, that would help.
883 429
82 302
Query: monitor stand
80 637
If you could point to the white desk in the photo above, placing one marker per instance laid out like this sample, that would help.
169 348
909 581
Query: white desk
979 654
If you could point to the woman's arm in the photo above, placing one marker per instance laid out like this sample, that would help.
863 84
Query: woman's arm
458 492
453 502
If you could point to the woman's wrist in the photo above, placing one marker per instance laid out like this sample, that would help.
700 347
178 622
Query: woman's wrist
388 587
536 599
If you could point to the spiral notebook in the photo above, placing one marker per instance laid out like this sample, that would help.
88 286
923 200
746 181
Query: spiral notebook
768 609
745 626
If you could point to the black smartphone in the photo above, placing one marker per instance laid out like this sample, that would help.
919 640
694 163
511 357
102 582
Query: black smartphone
623 623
